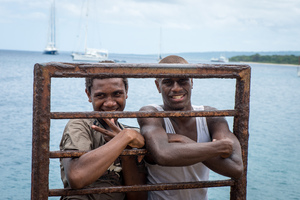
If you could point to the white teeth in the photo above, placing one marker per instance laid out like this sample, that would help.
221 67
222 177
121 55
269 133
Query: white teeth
177 97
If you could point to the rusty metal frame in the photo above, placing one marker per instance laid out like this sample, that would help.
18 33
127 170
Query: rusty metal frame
42 115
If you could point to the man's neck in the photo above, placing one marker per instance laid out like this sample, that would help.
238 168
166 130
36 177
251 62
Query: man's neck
179 120
186 108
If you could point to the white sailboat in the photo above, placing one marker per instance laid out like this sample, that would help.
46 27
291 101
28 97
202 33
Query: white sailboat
51 45
220 59
90 54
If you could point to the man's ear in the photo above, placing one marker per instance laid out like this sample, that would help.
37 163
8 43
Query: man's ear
157 86
89 95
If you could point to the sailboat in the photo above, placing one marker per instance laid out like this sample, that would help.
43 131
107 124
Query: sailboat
90 54
159 54
51 46
220 59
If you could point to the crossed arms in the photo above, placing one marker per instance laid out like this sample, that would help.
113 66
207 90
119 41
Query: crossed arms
222 154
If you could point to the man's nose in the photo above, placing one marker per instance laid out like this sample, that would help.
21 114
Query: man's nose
110 102
176 86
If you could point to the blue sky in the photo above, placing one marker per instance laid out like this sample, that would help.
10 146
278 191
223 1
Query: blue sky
133 26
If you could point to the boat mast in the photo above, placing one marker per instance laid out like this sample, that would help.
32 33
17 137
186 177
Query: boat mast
86 26
53 29
159 53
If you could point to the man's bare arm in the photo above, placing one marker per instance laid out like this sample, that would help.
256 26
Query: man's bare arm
228 165
78 170
177 154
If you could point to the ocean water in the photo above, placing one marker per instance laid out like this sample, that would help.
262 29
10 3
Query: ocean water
273 159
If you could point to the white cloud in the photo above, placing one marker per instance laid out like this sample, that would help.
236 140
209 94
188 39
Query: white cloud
196 25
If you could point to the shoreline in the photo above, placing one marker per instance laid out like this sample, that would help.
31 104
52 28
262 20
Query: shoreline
290 65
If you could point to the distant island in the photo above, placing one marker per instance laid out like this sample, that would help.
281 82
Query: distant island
278 59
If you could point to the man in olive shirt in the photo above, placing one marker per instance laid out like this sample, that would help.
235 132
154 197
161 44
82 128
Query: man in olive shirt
102 166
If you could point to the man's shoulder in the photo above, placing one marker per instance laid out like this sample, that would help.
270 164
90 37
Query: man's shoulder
78 135
87 123
151 107
209 108
81 121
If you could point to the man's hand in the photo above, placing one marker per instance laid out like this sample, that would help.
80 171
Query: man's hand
226 146
108 134
137 140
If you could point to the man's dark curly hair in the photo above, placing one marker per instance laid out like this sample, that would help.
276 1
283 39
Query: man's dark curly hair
89 83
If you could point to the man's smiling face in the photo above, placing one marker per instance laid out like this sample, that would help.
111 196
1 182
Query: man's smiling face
108 94
176 92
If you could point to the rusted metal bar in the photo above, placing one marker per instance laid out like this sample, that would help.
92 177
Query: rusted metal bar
240 129
40 134
70 154
141 114
106 70
135 188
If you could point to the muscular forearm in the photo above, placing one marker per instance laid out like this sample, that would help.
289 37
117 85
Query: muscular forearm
89 167
186 154
209 153
231 166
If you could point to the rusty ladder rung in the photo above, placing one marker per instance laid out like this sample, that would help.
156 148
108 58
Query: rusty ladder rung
135 188
141 114
70 154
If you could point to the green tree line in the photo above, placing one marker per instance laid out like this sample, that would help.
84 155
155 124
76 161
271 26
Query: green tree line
280 59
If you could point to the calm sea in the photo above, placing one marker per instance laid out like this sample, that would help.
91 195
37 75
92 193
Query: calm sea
274 145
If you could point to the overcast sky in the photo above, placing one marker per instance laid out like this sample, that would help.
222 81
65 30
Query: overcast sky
133 26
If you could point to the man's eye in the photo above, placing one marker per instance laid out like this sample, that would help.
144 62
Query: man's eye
167 82
117 94
99 95
183 80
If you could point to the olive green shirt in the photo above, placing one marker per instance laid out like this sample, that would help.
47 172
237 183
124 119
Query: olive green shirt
79 135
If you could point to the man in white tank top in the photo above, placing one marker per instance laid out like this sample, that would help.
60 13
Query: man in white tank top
184 149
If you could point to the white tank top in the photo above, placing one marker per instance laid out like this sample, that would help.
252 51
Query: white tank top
196 172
